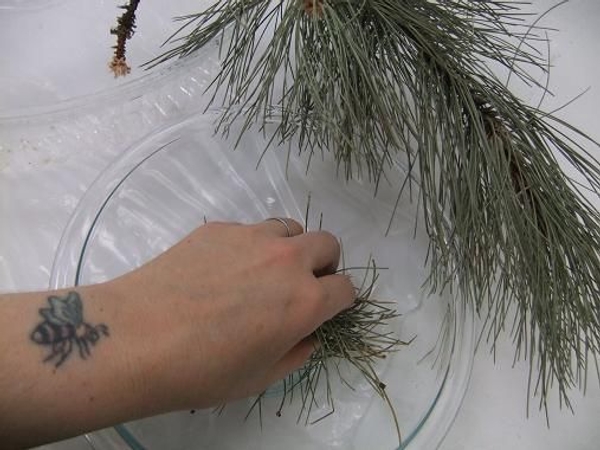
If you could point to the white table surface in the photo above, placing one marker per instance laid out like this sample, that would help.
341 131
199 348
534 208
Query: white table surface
36 197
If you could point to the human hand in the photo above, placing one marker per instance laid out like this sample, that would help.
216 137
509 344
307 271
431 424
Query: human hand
230 309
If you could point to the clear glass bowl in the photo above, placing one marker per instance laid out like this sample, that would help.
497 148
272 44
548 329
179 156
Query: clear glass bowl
54 54
163 187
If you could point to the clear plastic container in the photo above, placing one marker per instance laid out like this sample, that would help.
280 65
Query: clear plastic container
60 102
54 54
169 183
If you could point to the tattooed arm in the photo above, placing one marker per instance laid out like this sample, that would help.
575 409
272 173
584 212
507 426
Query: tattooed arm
220 316
60 377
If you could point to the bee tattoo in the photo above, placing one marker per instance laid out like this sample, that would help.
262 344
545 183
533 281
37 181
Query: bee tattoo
63 328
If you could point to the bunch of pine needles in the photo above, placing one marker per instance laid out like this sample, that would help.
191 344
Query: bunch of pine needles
380 81
359 337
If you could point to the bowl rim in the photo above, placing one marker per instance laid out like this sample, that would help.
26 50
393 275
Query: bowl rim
112 96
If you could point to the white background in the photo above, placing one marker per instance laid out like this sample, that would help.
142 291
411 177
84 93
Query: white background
493 415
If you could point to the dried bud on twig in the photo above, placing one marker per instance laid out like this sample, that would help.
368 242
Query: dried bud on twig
124 31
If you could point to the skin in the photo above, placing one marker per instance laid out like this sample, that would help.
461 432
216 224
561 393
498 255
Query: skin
228 300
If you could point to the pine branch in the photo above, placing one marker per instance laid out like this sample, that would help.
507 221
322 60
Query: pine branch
527 237
377 81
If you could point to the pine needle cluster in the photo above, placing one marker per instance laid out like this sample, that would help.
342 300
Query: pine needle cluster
358 337
378 81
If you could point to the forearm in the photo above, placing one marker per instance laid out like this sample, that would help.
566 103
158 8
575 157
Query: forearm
60 376
219 316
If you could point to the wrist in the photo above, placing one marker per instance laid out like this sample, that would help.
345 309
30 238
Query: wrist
150 342
128 358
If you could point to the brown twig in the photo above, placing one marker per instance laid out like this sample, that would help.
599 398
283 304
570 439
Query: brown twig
497 129
124 31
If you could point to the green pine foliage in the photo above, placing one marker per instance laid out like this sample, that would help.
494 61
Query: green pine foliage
377 82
